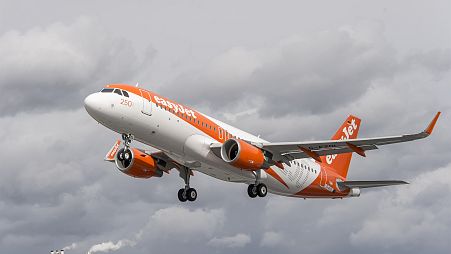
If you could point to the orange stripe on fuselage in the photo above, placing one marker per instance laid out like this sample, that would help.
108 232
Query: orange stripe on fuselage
316 189
189 115
273 173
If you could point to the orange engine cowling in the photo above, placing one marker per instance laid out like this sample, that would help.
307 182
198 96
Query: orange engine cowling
136 163
243 155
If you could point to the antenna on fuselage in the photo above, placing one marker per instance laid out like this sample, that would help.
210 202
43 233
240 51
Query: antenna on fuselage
137 84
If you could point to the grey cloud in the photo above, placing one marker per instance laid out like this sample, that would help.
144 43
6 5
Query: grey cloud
55 190
300 75
385 220
237 241
437 60
273 239
56 66
408 215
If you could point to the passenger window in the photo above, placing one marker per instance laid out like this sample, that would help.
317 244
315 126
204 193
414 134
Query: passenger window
107 90
125 93
117 91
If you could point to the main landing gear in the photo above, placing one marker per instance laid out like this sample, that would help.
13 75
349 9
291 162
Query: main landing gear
257 189
187 193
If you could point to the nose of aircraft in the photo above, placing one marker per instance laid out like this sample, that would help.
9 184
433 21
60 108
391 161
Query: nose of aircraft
93 104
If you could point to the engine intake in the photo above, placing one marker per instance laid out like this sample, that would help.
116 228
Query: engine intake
137 164
243 155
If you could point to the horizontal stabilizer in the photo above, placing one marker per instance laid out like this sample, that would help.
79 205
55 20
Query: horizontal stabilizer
369 184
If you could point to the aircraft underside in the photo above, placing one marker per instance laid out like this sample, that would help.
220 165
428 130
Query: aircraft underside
189 141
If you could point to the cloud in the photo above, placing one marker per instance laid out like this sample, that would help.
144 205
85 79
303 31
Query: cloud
172 222
110 246
402 219
70 247
56 66
299 75
271 239
56 190
237 241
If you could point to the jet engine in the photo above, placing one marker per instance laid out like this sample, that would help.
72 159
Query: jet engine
137 164
241 154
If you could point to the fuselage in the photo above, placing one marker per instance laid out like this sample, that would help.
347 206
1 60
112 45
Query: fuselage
185 135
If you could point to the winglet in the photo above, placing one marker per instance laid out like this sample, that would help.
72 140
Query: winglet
431 125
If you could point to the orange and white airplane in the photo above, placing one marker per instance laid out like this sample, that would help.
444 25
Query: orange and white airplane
189 141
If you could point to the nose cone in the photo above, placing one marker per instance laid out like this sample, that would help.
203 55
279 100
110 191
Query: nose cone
93 104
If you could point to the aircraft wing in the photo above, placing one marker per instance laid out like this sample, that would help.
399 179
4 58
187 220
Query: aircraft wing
287 151
369 184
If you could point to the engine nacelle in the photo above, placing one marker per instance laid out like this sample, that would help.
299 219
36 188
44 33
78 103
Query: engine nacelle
243 155
136 163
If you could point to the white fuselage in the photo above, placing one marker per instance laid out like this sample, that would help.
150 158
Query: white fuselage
188 144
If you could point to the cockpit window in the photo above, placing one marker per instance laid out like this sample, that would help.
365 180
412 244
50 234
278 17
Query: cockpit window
125 93
117 91
107 90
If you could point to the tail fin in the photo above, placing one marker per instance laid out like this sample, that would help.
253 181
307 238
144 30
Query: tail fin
340 162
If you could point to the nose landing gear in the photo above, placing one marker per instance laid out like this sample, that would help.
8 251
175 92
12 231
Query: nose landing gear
127 138
125 155
187 193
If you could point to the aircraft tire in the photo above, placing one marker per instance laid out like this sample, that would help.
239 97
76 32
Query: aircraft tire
262 190
252 190
191 194
182 195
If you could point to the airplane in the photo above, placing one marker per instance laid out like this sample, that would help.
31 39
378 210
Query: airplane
189 141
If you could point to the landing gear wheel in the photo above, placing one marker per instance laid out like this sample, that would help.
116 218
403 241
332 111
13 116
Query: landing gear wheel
127 138
191 194
252 190
186 193
262 190
182 195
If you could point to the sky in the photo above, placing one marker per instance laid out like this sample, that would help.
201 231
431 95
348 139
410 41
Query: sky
285 70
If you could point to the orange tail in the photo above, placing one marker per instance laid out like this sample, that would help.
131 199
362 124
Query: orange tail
348 130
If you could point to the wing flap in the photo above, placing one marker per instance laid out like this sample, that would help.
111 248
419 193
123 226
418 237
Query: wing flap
337 150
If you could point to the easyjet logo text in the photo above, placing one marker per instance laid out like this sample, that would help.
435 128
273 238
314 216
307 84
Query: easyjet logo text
347 133
176 107
114 150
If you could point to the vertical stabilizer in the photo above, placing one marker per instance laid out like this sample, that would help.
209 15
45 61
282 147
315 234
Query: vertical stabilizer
348 130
